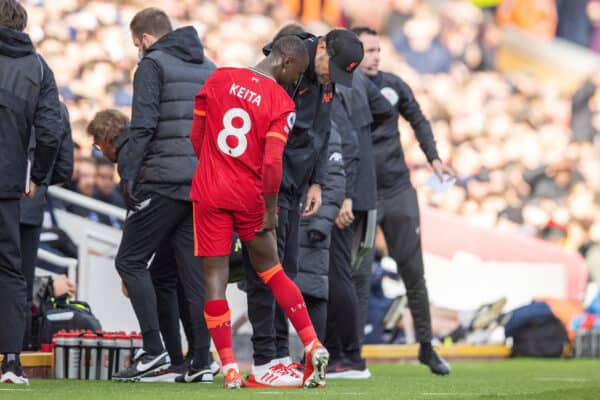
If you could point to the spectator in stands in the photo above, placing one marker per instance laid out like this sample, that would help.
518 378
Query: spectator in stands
30 107
86 177
574 24
87 185
419 43
585 108
593 13
536 17
105 186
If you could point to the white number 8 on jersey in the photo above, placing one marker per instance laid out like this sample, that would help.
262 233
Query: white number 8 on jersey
230 130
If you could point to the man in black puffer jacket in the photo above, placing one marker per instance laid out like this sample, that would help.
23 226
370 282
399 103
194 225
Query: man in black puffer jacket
161 164
315 237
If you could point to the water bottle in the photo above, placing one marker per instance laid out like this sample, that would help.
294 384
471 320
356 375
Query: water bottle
59 354
595 343
584 343
107 347
89 356
72 342
122 353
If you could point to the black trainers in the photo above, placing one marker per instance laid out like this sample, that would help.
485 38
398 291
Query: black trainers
143 364
346 369
12 372
436 364
168 374
194 373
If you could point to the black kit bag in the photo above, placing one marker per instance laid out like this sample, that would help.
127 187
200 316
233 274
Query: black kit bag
62 313
540 338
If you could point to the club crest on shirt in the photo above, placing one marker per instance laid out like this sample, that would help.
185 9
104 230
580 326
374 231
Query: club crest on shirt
390 94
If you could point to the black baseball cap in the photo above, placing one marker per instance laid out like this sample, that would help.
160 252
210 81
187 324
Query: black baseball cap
345 54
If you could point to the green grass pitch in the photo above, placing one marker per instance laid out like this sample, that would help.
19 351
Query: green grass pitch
505 379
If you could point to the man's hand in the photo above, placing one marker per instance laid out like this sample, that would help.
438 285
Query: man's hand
124 290
32 189
127 191
62 285
345 216
269 221
313 200
441 170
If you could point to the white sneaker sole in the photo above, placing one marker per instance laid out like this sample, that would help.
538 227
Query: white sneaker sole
233 385
352 374
320 359
169 378
139 377
11 377
203 376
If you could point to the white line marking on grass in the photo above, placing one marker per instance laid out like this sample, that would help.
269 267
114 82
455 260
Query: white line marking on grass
293 392
16 390
270 392
559 379
453 394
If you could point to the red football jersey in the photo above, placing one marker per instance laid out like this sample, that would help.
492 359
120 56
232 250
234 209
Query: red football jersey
240 107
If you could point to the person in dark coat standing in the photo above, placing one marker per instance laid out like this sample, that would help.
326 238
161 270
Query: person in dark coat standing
315 239
28 100
360 108
398 199
32 212
162 162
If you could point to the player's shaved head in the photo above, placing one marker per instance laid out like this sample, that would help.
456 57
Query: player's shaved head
287 60
290 46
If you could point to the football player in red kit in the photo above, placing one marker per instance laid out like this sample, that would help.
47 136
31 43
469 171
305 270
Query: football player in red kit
242 119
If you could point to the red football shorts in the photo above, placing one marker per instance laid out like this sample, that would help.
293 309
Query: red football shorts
214 227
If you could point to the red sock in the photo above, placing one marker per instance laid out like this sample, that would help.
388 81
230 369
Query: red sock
218 321
290 300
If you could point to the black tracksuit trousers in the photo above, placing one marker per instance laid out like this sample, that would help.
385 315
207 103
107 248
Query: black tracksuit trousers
13 289
30 242
270 335
343 313
402 231
163 221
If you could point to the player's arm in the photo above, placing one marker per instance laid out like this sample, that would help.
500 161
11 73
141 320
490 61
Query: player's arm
275 141
199 122
411 111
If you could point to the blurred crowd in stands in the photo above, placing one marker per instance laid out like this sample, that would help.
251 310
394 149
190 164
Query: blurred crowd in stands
527 155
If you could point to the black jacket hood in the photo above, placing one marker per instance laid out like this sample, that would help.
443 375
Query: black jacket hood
15 44
182 43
